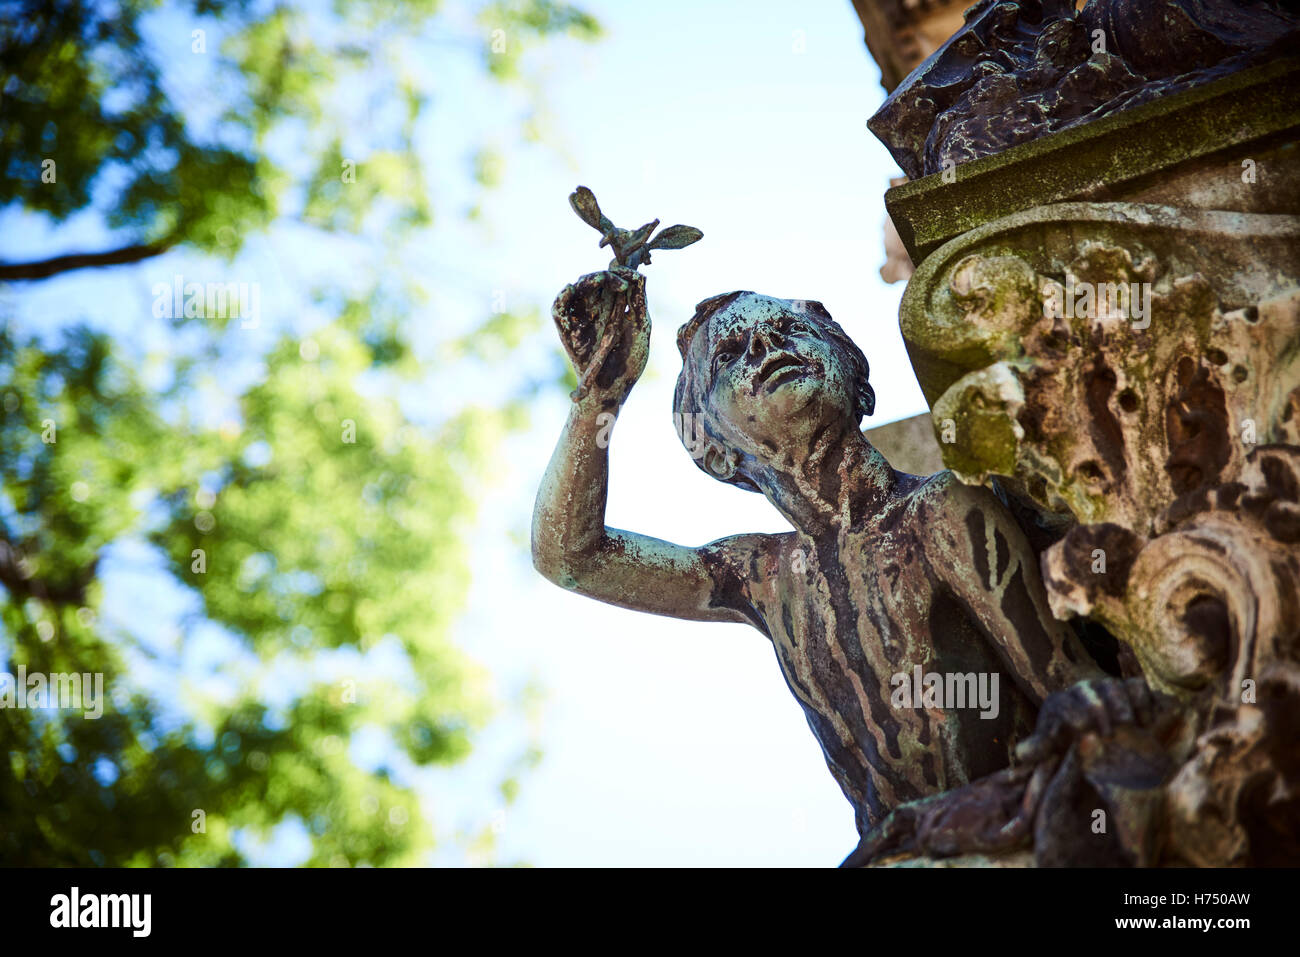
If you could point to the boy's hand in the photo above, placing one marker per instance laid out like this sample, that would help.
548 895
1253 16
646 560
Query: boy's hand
1096 705
603 325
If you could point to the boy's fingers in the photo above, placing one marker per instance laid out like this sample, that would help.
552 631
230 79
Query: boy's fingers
1118 705
1144 702
1090 706
1045 742
1033 749
1080 710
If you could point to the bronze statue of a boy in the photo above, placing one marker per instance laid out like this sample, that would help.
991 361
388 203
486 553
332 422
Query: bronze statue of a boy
884 572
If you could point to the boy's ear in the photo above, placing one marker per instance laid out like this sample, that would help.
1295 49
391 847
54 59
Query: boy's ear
724 466
718 462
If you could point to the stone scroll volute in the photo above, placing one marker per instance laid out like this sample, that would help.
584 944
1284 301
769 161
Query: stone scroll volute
1156 435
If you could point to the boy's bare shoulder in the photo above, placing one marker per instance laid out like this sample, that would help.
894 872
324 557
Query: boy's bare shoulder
752 562
752 554
958 526
944 493
941 509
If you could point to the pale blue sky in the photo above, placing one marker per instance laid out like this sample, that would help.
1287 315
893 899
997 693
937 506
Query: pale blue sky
667 743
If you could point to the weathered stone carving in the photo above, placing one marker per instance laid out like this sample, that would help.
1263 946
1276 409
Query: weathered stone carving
1127 375
1020 69
1236 802
1173 331
1131 374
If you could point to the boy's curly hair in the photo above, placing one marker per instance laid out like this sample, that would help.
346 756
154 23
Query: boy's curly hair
711 454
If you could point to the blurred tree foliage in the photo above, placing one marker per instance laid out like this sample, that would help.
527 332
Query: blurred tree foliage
315 521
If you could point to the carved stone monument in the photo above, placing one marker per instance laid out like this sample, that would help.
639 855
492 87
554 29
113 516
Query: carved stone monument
1080 643
1105 318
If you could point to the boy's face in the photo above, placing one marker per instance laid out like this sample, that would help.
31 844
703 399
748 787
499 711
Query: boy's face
771 379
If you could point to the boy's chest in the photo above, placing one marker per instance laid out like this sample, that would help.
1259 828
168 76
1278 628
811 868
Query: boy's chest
848 619
866 597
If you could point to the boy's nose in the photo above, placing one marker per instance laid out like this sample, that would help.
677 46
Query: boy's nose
763 338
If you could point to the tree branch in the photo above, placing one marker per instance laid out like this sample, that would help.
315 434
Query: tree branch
44 268
17 579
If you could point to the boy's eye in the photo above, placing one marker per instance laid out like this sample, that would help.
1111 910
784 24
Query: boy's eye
721 359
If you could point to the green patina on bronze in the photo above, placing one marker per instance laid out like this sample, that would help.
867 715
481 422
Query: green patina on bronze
884 574
1134 462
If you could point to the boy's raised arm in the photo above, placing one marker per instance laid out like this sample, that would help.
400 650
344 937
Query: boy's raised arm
604 326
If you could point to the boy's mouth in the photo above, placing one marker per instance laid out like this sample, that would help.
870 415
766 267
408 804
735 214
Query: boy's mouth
776 369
